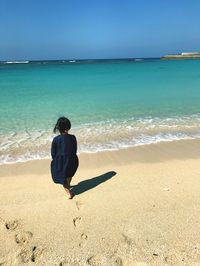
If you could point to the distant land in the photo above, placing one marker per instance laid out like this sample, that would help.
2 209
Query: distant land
183 55
189 55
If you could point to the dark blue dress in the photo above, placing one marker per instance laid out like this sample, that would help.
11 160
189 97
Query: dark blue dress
64 159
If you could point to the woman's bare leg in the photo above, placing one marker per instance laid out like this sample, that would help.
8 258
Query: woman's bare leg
67 188
69 192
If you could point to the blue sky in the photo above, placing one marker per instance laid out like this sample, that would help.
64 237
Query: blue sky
71 29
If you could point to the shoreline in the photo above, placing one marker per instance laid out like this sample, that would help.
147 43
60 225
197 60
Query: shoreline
142 153
16 147
138 206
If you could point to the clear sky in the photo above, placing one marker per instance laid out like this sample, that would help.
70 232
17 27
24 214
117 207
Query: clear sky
72 29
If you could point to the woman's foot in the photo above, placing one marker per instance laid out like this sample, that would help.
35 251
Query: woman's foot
69 192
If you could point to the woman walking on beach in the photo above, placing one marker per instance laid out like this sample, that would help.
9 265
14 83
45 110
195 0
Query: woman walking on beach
63 151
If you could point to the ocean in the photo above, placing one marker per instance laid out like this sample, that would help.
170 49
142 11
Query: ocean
112 104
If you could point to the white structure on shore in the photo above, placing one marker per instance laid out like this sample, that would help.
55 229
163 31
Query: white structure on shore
184 55
191 53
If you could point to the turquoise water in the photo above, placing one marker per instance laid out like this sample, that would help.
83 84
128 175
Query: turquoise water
112 104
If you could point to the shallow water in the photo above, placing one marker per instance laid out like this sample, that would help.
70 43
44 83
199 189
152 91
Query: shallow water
112 104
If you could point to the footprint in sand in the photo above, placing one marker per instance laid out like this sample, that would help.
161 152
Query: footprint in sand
117 262
23 237
83 242
37 252
68 263
171 259
30 254
65 263
79 205
77 221
25 255
97 260
11 225
127 239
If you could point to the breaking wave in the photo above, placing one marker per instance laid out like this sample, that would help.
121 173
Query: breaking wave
101 136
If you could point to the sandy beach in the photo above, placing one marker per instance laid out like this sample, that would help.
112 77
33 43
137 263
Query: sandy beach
138 206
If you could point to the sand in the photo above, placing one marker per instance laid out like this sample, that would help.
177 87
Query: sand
139 206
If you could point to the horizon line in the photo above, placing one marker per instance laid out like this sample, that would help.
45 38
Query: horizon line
77 59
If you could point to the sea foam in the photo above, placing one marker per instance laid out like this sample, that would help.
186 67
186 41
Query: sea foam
16 62
101 136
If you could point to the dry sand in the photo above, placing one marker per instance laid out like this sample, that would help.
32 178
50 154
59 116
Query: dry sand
139 206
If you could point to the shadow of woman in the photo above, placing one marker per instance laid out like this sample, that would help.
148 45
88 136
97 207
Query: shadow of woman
88 184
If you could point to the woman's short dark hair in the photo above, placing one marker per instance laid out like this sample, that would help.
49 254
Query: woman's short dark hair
63 124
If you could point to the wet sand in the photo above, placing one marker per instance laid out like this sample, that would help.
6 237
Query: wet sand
138 206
